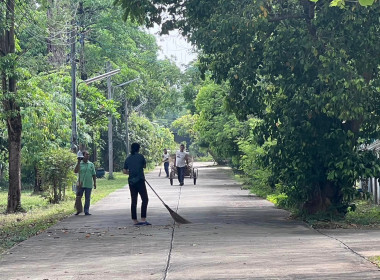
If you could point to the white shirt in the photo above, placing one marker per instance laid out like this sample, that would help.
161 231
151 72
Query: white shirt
180 159
165 157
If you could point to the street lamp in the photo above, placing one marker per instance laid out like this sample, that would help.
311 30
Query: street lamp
102 76
126 115
74 133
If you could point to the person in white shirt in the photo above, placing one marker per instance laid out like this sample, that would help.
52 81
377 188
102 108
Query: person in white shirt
180 161
165 160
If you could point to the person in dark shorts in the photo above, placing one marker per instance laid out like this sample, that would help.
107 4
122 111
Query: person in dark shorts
180 161
134 166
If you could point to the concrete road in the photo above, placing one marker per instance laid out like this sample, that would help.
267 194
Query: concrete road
233 235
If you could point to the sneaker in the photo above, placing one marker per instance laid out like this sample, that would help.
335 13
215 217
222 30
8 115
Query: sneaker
77 213
87 214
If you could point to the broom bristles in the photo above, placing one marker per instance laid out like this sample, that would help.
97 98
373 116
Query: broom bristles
176 217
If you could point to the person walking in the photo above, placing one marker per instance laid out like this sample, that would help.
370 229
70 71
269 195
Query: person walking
165 160
87 181
134 166
180 161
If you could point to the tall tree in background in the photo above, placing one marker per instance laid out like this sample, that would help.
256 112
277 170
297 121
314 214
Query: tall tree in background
10 101
57 19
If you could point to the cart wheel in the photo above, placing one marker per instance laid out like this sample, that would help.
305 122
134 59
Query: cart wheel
171 181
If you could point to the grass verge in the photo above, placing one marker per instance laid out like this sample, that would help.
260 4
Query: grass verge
375 260
366 214
40 215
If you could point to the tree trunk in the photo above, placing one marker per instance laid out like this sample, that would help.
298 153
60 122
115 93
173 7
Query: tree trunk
37 180
11 110
55 192
324 198
14 194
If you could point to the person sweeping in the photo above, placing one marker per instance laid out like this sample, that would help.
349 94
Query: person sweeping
134 166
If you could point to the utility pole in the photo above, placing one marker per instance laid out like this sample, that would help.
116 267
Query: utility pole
126 115
74 136
126 126
82 63
110 141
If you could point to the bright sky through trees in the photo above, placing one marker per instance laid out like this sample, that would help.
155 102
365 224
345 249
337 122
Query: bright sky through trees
174 47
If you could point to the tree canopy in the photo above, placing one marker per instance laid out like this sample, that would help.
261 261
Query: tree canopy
297 66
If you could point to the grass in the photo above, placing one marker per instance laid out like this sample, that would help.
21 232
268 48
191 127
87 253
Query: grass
366 214
40 215
375 260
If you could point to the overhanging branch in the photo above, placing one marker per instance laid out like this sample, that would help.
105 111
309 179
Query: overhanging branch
281 18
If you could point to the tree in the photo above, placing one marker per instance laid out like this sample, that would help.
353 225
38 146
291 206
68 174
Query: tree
3 151
10 101
296 66
217 129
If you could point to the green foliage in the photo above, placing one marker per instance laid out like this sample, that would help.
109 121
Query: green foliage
152 138
217 130
57 168
316 93
365 214
46 120
280 200
138 10
185 126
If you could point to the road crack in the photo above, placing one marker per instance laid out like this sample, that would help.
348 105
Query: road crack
166 271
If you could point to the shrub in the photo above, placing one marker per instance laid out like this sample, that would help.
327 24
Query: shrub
57 172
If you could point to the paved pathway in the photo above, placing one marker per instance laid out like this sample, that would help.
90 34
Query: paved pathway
234 235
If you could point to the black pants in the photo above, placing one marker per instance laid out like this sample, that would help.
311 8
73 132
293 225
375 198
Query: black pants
181 174
166 167
135 189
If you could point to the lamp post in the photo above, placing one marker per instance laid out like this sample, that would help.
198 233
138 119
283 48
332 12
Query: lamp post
126 115
74 135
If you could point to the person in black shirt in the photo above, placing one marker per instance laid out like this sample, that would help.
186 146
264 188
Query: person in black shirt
134 166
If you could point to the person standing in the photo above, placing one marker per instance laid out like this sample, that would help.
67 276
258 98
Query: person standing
180 161
134 166
87 181
165 160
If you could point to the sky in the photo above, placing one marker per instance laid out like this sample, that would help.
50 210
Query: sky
174 47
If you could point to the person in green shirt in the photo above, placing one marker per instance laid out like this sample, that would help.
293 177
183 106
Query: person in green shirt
87 180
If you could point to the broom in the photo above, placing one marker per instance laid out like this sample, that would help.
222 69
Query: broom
176 217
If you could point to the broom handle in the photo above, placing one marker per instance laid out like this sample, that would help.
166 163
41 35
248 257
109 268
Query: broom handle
155 192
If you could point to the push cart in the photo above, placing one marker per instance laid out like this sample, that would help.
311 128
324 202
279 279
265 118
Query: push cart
190 171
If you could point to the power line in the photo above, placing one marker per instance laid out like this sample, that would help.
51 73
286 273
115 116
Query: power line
39 32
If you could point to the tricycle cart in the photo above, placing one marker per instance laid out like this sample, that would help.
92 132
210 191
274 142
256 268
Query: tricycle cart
190 171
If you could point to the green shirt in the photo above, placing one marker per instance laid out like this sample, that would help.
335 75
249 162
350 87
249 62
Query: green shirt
86 171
